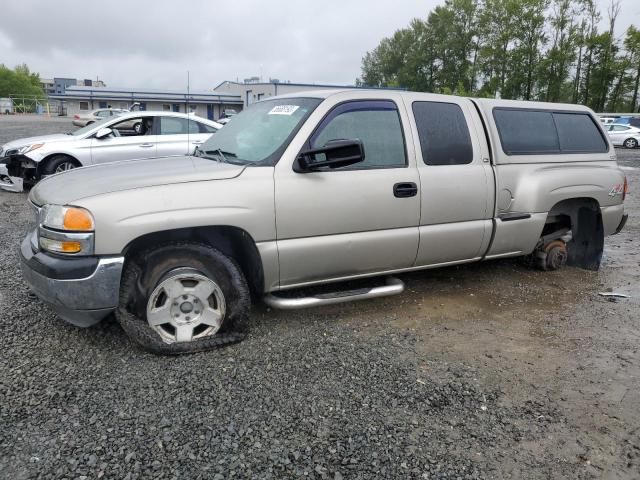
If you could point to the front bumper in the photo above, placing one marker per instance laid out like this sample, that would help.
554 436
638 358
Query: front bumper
9 183
80 301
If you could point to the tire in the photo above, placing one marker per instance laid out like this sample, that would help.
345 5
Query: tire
161 272
58 164
630 143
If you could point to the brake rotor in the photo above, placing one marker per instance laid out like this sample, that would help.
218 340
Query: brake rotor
555 255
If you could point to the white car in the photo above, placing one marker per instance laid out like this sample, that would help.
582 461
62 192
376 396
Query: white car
624 135
162 134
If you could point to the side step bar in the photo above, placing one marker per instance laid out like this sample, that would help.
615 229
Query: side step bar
393 286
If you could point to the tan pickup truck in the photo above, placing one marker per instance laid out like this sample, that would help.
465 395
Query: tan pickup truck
320 188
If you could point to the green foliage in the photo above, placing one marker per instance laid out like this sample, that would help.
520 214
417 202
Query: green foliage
19 81
548 50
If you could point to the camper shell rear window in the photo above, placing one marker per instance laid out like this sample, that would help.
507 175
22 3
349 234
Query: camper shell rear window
547 132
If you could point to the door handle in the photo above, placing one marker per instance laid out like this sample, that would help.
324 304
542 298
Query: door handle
146 145
197 142
405 190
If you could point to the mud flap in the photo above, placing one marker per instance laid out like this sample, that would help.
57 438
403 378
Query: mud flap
587 245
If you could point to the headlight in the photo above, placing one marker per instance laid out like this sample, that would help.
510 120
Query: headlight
67 230
74 219
29 148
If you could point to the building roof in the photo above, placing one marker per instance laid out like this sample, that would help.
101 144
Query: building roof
325 86
315 85
142 94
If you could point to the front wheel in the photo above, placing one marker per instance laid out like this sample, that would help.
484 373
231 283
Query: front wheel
630 143
59 164
183 298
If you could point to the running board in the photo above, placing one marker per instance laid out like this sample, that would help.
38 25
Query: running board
394 286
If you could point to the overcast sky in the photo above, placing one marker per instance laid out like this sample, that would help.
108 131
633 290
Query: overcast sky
152 43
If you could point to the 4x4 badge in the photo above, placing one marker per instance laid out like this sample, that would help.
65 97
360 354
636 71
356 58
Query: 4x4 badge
617 190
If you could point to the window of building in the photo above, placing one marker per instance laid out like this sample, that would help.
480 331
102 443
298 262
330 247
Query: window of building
84 105
443 133
375 123
166 107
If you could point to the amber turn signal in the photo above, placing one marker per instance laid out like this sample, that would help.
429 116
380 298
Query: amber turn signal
77 219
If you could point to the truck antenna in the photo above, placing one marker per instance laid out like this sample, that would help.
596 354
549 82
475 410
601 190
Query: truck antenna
187 112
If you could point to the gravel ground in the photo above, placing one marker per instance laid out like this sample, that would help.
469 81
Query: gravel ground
482 371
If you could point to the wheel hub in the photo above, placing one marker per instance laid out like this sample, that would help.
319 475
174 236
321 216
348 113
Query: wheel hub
185 307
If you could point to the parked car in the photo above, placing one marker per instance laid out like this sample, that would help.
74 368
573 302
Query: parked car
317 189
84 119
607 120
624 135
161 134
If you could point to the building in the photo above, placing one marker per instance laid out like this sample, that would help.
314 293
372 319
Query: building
83 99
253 89
58 85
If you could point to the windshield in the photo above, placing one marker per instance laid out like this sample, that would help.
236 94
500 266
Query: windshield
90 127
259 134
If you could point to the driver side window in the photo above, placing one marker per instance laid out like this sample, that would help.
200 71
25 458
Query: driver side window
134 127
376 123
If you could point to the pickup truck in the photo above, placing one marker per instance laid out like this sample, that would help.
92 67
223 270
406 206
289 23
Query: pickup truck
320 188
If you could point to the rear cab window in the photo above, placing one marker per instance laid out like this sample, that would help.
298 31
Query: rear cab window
547 132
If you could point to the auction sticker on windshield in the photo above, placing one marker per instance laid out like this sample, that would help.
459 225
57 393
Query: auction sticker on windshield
284 110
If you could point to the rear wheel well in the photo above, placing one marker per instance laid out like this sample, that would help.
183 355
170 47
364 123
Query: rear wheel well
582 217
234 242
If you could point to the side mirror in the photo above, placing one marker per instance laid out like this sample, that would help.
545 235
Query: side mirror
103 132
337 153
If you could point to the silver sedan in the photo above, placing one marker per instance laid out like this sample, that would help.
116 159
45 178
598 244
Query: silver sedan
624 135
161 134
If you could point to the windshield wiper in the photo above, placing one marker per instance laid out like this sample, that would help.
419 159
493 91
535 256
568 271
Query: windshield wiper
221 155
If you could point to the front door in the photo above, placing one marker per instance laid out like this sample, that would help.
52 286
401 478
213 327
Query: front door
179 136
132 139
353 220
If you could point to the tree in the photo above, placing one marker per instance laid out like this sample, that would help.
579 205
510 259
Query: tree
632 45
549 50
19 81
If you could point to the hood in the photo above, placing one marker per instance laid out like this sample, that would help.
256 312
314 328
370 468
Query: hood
56 137
68 187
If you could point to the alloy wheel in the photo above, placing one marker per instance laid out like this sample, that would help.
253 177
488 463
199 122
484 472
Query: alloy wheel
185 307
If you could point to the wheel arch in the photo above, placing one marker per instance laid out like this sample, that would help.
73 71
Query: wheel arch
234 242
42 163
581 215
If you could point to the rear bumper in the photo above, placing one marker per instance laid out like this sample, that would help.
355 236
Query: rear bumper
622 223
80 301
612 218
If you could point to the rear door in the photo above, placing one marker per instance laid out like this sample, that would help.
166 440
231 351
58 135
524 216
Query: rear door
353 220
456 180
179 136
